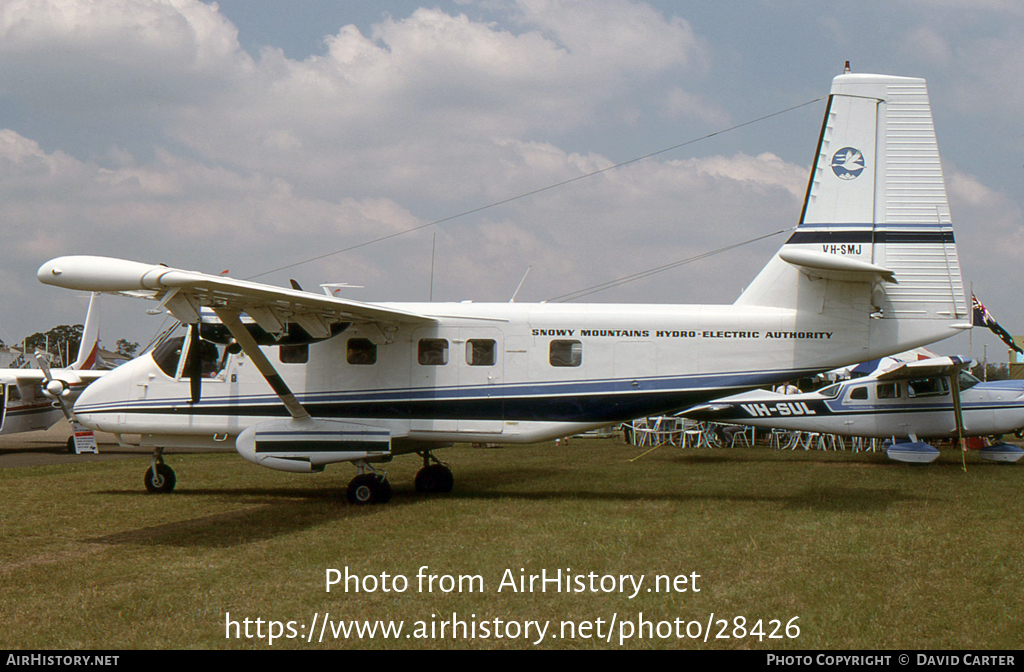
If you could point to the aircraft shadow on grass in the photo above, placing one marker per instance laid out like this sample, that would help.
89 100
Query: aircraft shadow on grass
282 511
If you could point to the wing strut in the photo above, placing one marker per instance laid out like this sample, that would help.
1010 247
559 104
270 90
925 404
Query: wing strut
958 411
231 320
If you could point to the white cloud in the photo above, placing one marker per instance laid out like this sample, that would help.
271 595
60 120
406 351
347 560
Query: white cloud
115 54
990 228
255 163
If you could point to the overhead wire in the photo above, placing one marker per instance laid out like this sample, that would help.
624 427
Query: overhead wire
537 191
586 291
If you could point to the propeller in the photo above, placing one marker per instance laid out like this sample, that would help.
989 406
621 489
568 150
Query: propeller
82 439
54 388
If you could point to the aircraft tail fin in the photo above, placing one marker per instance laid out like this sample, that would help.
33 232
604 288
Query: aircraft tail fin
875 213
88 349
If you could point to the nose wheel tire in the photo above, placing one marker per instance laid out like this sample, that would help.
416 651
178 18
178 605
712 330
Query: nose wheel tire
160 480
369 489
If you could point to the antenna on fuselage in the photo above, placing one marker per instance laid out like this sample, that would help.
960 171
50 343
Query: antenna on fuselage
515 293
433 246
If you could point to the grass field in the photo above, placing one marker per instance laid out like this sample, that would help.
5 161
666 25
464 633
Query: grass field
865 552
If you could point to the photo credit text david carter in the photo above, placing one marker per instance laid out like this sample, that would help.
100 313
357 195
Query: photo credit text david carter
613 627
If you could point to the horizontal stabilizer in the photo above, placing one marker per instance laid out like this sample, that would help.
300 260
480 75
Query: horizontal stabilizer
821 265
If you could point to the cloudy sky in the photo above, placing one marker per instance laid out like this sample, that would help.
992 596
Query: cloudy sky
251 135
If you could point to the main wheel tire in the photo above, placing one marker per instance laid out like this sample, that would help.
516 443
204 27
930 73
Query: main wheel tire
434 479
161 481
368 489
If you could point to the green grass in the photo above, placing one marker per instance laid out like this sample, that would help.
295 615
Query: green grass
866 552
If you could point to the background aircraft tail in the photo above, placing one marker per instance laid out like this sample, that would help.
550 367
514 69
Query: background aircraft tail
875 216
88 349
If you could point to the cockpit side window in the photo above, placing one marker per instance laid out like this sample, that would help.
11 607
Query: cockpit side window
167 354
209 357
859 393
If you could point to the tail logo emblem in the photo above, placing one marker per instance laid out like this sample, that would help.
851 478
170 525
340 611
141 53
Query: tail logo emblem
848 163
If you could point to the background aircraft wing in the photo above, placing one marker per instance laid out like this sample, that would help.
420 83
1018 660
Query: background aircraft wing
183 293
924 368
22 376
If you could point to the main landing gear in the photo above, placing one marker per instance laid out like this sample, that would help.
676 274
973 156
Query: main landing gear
159 477
435 477
369 486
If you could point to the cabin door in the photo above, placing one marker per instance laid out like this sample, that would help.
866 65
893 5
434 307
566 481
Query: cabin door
481 368
434 380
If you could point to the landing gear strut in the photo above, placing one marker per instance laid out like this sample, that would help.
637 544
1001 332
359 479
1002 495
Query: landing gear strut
369 486
434 478
159 477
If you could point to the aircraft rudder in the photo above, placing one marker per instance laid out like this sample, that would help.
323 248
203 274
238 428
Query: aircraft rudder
88 349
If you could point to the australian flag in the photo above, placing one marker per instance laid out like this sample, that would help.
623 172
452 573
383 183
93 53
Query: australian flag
982 318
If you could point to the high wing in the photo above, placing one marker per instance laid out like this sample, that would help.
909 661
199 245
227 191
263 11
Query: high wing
183 293
924 368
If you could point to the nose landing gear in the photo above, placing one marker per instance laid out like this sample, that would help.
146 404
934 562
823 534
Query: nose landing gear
159 477
369 486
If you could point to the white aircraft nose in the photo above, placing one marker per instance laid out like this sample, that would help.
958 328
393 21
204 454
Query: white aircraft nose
99 404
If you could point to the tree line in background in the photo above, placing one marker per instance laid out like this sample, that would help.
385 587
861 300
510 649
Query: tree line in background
61 344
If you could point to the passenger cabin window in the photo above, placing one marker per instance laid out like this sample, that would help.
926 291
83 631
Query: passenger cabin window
859 393
433 351
361 352
887 390
566 353
13 393
294 354
927 387
480 352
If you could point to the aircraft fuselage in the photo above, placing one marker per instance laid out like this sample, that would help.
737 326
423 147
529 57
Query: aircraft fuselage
509 373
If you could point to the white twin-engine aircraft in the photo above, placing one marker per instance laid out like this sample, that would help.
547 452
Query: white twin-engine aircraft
297 380
34 399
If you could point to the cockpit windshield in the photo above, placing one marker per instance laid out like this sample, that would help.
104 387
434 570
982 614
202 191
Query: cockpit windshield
830 392
167 355
967 381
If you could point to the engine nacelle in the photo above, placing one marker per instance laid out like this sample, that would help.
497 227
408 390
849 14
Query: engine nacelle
56 388
305 446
